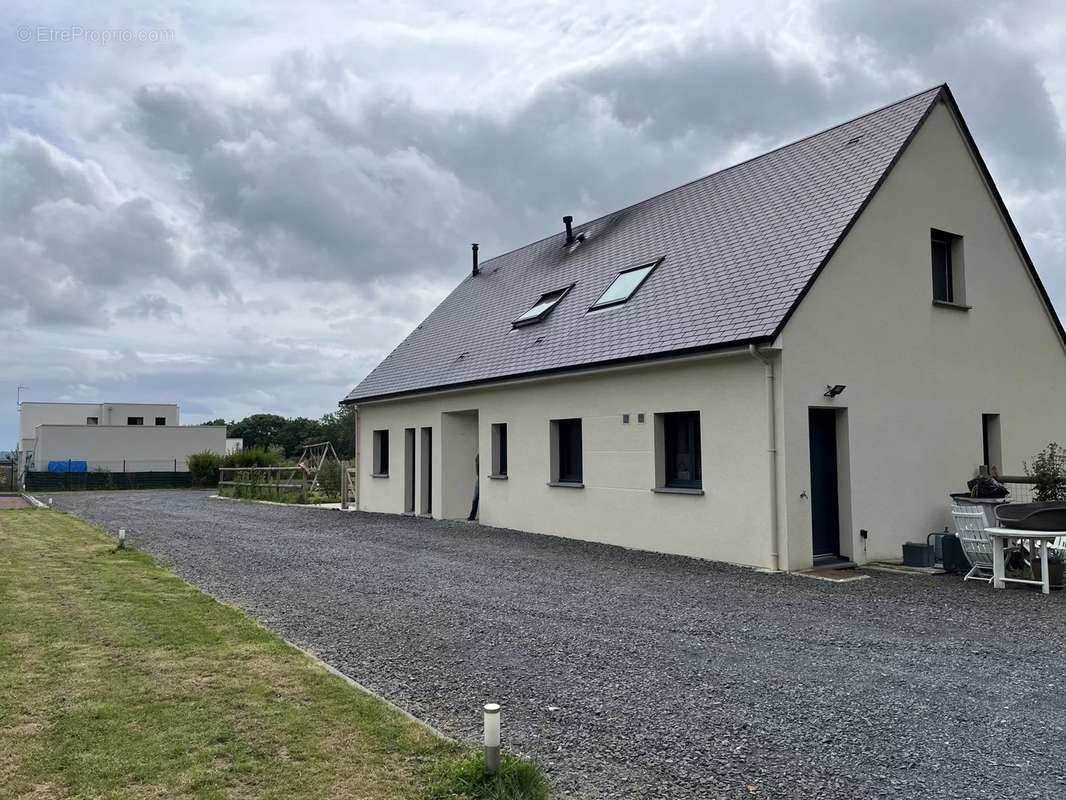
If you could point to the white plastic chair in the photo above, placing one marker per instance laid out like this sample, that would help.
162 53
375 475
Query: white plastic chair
970 524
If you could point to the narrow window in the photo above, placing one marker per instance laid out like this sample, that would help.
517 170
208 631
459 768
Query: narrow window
134 420
92 420
160 420
499 450
566 452
409 470
678 453
425 470
542 307
623 286
991 441
381 454
948 279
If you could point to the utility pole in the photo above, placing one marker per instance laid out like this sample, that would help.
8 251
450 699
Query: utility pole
17 464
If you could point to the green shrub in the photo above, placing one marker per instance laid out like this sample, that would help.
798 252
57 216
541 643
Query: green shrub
1048 471
329 478
204 468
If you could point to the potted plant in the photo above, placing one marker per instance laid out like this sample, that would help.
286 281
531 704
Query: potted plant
1056 567
1048 471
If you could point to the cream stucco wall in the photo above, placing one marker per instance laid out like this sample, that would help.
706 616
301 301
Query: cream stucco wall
33 414
918 376
145 448
730 522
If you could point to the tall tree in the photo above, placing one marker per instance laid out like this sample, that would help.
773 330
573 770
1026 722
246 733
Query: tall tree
259 431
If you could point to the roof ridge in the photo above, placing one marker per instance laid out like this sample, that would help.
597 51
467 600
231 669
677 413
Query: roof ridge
938 87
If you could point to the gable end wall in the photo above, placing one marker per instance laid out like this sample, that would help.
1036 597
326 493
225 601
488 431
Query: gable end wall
918 376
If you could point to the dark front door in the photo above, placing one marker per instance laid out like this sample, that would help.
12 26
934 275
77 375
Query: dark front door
825 506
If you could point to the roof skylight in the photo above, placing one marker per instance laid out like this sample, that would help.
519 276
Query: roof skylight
542 307
623 286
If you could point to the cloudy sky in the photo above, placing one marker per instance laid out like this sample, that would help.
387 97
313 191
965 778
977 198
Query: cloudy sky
243 210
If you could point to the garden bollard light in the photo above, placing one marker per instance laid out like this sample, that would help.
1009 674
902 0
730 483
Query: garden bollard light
121 538
492 738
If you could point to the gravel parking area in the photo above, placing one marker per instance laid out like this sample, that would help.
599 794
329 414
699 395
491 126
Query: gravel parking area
635 675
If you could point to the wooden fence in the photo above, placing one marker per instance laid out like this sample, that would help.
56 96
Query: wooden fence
264 481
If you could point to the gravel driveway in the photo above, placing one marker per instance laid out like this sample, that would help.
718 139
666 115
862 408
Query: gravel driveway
634 675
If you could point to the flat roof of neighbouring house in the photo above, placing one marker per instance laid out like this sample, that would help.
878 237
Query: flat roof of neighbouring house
86 403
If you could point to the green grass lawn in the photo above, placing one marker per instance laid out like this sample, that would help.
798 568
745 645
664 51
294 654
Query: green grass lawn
118 679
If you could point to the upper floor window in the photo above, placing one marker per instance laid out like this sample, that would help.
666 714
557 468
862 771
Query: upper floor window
948 280
543 307
623 286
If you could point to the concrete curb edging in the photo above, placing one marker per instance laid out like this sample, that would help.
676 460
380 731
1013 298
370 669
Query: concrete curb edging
826 579
355 684
316 506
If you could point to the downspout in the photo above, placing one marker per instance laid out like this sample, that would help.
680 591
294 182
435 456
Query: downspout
771 417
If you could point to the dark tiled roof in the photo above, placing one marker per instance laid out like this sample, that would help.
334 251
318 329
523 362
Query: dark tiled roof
739 246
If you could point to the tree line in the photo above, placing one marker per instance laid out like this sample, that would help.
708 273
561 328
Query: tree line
289 435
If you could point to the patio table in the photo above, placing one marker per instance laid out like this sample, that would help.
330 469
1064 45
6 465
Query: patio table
1038 540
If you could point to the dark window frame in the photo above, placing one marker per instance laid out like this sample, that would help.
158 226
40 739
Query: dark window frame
562 292
92 420
135 421
946 265
651 266
381 453
682 427
499 450
569 466
160 421
991 441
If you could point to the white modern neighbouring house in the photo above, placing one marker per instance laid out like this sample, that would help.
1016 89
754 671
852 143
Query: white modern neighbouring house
147 437
796 358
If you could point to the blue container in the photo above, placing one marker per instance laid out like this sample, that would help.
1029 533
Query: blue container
68 466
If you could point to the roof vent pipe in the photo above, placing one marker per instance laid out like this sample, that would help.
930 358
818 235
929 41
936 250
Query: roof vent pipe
473 258
568 221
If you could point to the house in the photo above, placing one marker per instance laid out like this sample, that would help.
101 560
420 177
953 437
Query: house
115 437
790 361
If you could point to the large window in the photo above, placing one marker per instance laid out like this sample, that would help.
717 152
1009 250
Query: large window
680 459
160 420
381 454
499 450
623 286
542 307
948 283
566 452
134 420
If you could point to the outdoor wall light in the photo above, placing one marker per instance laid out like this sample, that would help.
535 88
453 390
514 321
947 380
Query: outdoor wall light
833 391
492 738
